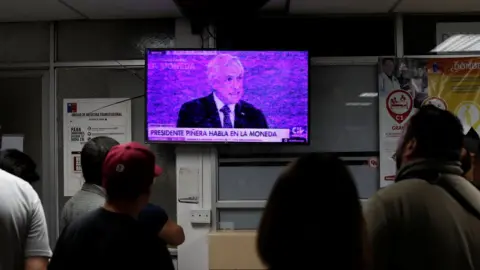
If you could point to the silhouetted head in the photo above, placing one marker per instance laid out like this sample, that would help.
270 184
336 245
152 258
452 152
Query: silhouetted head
19 164
388 65
92 157
313 203
431 133
128 174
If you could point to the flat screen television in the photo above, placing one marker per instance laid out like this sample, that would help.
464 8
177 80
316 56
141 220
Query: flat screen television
213 96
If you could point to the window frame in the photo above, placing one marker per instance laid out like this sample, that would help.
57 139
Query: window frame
218 205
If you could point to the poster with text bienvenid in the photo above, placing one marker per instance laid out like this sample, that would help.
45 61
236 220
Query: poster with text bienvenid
454 84
85 119
407 84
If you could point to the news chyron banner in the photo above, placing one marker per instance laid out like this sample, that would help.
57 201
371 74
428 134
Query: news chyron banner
409 83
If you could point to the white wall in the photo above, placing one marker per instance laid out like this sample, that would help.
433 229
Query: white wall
193 254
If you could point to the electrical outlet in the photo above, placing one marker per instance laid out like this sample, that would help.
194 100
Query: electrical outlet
200 216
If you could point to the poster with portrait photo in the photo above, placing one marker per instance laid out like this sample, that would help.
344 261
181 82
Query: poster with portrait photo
408 74
413 77
402 88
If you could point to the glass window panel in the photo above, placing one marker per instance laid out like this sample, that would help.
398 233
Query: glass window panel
256 182
117 83
22 114
341 120
366 179
24 42
246 183
239 219
112 40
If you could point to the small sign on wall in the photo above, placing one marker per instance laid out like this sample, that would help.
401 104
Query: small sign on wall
77 165
373 162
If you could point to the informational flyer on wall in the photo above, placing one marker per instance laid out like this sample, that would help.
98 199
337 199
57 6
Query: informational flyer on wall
85 119
455 83
448 83
401 90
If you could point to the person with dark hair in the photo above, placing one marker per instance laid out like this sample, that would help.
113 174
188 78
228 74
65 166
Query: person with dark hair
24 242
338 227
92 195
430 217
111 237
387 81
19 164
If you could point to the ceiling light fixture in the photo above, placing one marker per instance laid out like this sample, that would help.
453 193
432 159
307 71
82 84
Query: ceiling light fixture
368 94
358 104
459 43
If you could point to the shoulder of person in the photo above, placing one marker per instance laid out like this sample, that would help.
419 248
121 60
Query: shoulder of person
88 197
195 103
406 193
84 201
249 107
404 190
394 189
152 209
11 181
85 221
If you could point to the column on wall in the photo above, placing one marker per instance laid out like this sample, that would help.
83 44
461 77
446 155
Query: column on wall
193 253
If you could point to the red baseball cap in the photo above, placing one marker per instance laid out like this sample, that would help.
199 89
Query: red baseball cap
130 162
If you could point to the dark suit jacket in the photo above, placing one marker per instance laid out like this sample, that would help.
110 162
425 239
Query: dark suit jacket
203 113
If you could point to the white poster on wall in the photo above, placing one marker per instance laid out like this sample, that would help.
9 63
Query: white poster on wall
396 105
84 119
12 141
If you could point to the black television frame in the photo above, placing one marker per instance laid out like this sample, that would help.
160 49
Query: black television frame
145 124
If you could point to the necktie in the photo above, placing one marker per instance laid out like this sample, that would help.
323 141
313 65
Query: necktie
227 122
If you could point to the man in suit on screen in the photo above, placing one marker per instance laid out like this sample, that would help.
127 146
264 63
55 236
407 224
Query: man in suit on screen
223 108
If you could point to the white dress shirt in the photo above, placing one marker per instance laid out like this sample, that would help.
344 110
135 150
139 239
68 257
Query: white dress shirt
220 105
388 84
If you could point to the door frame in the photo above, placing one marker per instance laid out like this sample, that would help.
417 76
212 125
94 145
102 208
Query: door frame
49 149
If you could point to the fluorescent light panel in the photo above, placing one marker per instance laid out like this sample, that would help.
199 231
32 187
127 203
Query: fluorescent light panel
368 94
358 104
459 43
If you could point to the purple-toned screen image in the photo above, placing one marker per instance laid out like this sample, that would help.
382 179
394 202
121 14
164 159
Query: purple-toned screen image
228 89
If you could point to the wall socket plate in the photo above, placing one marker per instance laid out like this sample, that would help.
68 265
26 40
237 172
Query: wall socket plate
200 216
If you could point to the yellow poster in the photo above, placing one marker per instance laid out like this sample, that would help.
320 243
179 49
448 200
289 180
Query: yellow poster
454 83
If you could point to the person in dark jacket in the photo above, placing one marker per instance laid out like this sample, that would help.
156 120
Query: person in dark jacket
330 225
223 108
19 164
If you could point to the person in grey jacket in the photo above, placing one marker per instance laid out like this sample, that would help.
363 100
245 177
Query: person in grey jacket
92 195
24 242
430 217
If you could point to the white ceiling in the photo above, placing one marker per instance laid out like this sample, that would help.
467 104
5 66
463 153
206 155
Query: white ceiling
47 10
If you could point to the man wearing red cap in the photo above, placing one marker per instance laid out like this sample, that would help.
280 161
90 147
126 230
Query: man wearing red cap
92 195
112 237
